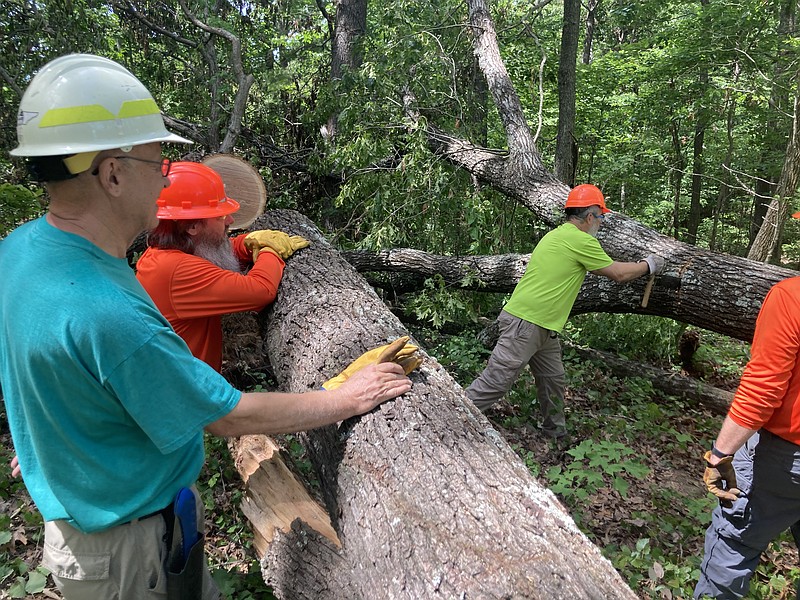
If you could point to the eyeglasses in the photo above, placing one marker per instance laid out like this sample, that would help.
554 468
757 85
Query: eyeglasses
166 164
600 216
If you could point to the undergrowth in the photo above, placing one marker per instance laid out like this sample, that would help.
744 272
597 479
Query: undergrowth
631 478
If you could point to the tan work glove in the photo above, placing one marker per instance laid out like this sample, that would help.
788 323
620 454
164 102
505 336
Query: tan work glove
277 242
655 263
398 351
717 475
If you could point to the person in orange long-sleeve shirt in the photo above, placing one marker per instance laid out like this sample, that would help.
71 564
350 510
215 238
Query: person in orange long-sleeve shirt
193 271
754 464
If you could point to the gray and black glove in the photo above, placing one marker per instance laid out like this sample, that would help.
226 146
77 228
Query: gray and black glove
655 263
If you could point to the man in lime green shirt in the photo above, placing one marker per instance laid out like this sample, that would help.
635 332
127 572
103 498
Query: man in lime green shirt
541 303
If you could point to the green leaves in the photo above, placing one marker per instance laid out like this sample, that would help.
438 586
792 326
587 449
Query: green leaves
594 463
17 205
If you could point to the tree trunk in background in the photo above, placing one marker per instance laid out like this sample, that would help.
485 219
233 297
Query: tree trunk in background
676 176
522 153
724 192
591 23
762 195
478 107
426 497
695 206
765 184
701 116
351 24
767 242
565 160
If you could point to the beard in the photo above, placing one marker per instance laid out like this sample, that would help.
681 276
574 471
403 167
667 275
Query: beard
218 251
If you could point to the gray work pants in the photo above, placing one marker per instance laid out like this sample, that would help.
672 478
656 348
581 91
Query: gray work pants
521 343
768 474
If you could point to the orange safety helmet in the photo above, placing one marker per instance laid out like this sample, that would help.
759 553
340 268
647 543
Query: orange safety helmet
585 195
195 192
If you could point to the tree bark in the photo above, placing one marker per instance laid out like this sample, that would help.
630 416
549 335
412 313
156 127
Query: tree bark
770 207
427 499
591 23
767 242
698 144
349 28
564 164
717 292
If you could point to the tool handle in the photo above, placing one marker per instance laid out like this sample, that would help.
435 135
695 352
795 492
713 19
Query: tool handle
647 289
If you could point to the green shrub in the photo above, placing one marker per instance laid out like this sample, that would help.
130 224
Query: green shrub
17 205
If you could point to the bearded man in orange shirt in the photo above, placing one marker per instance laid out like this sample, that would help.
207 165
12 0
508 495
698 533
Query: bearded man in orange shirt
193 271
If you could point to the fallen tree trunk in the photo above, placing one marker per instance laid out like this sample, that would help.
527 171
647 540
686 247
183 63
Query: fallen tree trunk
717 292
427 499
673 384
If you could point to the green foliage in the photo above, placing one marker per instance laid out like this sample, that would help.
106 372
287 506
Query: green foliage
16 576
242 586
436 304
648 568
459 354
594 462
638 337
17 205
27 581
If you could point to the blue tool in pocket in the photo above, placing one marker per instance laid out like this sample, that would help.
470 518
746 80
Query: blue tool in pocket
186 557
186 516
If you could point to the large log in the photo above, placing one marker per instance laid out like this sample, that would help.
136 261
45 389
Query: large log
426 497
717 292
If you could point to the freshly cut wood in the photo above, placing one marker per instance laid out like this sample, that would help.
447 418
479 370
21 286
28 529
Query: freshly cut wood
426 498
276 497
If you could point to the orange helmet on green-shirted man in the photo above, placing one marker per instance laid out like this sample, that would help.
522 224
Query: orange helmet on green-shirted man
585 195
195 191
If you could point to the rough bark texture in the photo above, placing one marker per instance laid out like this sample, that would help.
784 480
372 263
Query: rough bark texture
566 146
426 497
717 292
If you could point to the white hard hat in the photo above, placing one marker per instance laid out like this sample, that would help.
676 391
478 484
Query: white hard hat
85 103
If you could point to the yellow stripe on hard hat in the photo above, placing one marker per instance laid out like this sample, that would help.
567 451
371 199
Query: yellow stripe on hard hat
138 108
95 112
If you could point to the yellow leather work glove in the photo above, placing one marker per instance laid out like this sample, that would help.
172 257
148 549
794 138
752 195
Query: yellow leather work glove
398 351
277 242
721 474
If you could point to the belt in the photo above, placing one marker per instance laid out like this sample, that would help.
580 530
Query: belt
164 512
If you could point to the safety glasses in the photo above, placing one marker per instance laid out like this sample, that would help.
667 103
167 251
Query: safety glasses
166 164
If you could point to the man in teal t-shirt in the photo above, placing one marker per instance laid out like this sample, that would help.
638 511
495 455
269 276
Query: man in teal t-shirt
105 403
541 303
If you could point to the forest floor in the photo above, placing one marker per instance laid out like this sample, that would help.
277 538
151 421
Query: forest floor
631 478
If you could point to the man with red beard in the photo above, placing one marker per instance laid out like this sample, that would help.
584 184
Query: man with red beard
193 271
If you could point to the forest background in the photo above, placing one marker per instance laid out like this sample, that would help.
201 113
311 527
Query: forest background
684 115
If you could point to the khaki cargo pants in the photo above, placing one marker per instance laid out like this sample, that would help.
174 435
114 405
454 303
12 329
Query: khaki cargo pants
523 343
125 562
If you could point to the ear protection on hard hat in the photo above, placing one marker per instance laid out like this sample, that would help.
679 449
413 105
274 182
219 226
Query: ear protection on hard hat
584 195
195 192
84 103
